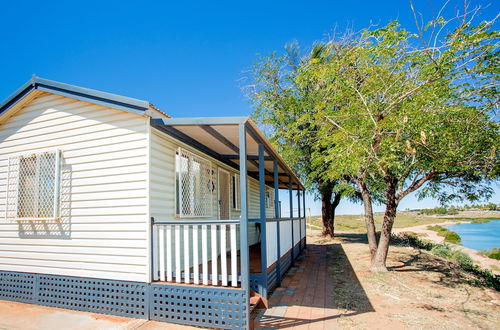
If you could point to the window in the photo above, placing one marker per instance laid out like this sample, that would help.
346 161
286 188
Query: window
269 197
195 186
235 192
33 186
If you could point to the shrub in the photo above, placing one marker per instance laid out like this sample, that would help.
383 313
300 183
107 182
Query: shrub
435 211
452 237
493 253
442 250
483 276
491 206
480 221
463 259
449 236
438 229
411 239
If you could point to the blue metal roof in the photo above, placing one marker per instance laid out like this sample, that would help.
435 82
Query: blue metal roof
84 94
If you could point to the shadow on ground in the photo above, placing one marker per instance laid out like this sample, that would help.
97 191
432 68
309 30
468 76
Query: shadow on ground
321 287
447 273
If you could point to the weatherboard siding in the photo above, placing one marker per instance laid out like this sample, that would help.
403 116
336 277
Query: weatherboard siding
162 188
104 230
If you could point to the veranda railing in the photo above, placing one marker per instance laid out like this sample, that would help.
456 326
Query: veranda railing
196 252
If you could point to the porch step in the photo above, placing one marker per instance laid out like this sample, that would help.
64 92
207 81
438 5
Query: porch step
257 301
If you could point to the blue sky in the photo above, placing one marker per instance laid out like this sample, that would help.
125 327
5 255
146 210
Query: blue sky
186 58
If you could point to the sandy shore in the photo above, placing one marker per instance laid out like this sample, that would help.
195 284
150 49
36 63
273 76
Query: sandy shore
481 260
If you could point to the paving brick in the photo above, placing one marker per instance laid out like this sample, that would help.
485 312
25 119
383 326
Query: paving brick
304 300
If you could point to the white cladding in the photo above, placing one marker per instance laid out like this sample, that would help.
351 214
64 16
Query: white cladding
113 161
103 231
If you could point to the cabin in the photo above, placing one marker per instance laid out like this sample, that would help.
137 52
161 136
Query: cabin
109 205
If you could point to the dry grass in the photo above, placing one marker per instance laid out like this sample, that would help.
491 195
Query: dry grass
421 291
356 223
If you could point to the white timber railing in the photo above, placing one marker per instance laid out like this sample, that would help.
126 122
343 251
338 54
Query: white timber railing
196 252
285 236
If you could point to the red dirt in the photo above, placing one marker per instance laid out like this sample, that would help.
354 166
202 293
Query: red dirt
332 287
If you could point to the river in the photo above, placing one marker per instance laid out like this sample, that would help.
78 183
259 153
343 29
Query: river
479 236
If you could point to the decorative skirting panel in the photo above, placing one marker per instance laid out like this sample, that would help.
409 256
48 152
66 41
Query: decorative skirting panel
199 306
94 295
19 287
193 305
223 308
84 294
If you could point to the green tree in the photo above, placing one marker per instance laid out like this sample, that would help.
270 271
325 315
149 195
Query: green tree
280 101
388 118
401 118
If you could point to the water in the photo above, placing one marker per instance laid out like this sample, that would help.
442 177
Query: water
479 236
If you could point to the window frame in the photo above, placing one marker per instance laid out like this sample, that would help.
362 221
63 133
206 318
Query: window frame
13 197
269 197
193 183
235 192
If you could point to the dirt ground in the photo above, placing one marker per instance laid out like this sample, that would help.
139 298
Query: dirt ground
18 316
420 291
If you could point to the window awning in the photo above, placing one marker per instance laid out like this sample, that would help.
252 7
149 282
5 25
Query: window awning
219 137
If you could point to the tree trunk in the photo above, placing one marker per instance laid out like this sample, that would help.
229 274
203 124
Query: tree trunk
327 212
379 262
336 201
369 220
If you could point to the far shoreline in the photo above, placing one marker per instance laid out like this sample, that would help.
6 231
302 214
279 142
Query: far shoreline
413 221
482 261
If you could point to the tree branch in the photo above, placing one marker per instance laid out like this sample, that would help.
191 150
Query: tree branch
415 185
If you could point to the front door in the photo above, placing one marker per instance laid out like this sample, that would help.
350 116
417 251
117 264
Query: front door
224 194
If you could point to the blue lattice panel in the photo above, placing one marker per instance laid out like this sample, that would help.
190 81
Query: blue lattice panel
222 308
17 286
94 295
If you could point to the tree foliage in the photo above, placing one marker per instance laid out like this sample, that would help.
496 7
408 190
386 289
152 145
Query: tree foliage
390 114
280 100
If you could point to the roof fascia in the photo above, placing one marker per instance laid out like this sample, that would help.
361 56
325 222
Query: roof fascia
83 94
195 121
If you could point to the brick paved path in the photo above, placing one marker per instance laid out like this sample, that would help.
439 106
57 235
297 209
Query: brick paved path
304 300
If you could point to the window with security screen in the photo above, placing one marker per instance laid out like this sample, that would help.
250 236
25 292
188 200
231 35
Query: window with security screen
235 191
195 186
33 186
269 198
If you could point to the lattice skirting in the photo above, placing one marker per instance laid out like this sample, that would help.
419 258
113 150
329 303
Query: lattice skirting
209 307
19 287
123 298
201 306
